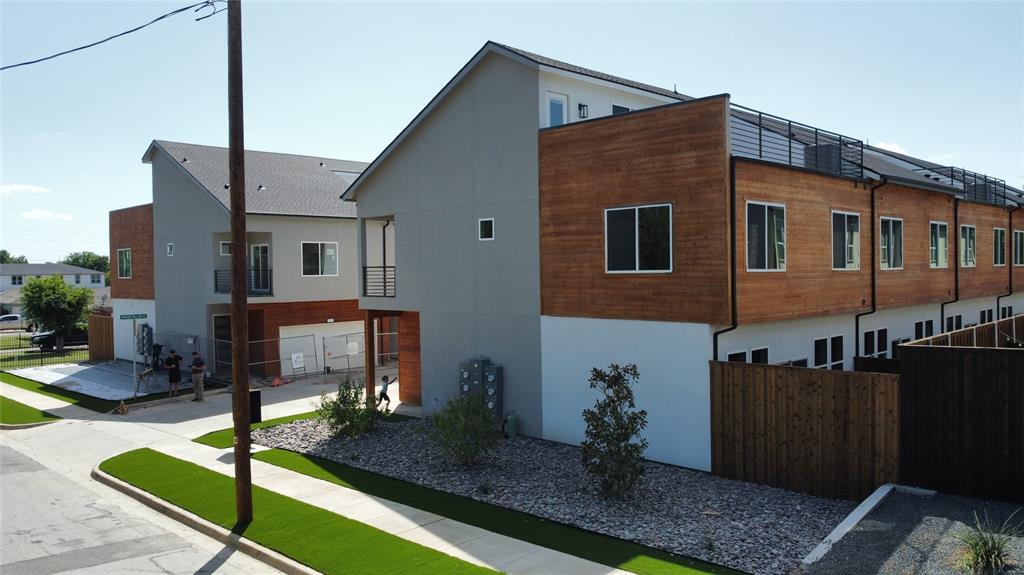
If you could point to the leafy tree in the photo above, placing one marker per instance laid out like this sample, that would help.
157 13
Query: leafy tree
7 258
54 304
613 450
88 260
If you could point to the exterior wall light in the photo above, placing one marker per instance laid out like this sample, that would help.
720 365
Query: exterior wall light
584 110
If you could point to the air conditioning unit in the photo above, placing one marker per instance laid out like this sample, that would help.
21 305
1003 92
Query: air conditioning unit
824 158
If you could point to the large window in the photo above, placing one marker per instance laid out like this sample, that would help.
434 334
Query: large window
939 242
558 109
998 247
968 255
17 280
319 258
1018 247
766 237
828 352
876 343
845 241
124 263
638 239
891 245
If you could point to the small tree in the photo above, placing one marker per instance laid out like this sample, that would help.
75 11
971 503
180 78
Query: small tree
51 303
7 258
613 451
346 414
464 430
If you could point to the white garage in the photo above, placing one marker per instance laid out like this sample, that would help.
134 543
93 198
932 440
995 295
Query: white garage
340 344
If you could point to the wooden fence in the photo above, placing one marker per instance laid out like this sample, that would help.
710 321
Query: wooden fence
962 421
101 337
827 433
1007 332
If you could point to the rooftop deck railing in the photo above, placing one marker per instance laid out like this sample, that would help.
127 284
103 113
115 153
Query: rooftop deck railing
976 187
379 281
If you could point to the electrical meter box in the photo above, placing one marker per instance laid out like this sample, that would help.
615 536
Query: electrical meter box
492 390
471 376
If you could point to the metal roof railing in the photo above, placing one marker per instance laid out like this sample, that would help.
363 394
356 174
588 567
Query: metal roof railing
976 187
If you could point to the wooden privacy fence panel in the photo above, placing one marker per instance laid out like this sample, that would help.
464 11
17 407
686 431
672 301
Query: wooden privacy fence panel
101 338
962 421
1007 332
876 364
828 433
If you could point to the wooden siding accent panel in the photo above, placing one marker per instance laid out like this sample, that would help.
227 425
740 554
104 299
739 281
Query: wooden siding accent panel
808 286
271 316
409 378
674 154
985 279
133 228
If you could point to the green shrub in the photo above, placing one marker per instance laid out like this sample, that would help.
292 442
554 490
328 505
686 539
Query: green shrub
346 414
613 451
987 546
464 430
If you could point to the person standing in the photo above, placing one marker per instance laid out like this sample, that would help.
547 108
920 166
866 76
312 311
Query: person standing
383 397
198 371
173 365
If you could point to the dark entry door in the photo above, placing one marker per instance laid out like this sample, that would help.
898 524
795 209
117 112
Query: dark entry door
222 343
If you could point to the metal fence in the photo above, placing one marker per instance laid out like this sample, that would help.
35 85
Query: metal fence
17 351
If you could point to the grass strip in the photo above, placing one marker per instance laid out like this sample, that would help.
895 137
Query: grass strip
225 438
316 537
14 413
80 399
34 357
599 548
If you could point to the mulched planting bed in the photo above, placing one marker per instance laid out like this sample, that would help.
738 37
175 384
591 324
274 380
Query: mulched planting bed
751 527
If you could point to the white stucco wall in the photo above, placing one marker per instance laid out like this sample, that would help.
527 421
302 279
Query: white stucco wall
598 95
674 384
124 342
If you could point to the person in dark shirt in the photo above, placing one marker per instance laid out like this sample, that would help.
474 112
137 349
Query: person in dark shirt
198 371
173 365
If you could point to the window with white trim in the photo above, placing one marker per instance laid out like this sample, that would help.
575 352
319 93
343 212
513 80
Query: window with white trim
986 316
998 246
17 280
845 241
938 255
766 237
78 278
968 254
1006 311
170 249
828 352
954 322
759 355
876 343
225 248
1018 247
124 263
558 109
319 259
95 278
638 239
738 356
485 229
891 243
924 329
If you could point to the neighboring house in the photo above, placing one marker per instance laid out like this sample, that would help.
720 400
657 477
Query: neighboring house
555 219
301 251
14 276
131 274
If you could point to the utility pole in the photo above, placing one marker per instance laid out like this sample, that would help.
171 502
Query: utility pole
239 299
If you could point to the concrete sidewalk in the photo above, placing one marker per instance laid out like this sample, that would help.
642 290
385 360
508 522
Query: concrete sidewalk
169 429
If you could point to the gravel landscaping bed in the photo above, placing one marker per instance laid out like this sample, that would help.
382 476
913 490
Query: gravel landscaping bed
742 525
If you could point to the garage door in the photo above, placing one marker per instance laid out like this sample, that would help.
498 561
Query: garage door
342 342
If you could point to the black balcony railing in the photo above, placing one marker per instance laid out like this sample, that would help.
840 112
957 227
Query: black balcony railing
976 187
258 282
379 281
773 139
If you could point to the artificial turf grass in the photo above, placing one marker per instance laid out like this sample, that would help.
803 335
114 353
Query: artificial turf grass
595 547
308 534
80 399
225 438
14 413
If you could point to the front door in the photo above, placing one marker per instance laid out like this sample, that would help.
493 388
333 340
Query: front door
259 276
222 344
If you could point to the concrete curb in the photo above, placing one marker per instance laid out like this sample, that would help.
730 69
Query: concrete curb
254 550
859 513
14 426
167 400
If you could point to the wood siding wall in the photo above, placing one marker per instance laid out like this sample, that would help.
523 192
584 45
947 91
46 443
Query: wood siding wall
409 388
674 154
266 319
827 433
101 338
985 279
133 228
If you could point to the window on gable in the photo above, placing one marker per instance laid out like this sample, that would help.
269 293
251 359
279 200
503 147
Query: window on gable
845 241
124 263
638 239
486 229
967 246
891 245
766 237
938 255
617 109
998 247
319 258
558 109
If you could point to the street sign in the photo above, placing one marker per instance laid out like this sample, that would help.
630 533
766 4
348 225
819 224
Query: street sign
134 316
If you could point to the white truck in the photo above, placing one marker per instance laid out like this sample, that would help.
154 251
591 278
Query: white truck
14 321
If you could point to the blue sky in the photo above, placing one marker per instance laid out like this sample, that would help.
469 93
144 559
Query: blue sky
942 81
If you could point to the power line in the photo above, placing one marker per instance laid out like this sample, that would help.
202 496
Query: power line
198 6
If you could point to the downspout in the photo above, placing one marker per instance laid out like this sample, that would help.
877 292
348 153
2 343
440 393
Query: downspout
1008 257
384 244
732 252
874 272
956 255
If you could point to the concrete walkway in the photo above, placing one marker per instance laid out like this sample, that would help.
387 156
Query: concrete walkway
169 429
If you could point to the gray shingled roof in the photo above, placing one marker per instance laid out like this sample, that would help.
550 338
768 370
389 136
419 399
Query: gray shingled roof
42 270
291 185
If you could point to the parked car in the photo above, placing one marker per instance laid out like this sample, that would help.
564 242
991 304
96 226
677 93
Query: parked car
15 321
47 340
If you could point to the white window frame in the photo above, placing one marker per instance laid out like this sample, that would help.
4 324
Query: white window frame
963 246
17 280
745 352
613 113
936 266
874 338
170 249
1018 249
748 354
846 241
95 278
221 248
479 231
746 233
337 255
881 262
995 252
636 240
78 279
831 361
129 252
547 107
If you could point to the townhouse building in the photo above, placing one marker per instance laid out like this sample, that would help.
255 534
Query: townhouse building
131 274
14 276
554 219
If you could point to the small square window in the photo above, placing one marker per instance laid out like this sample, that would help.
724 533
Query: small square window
486 229
170 250
225 248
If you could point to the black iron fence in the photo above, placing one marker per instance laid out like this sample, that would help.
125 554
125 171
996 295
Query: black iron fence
977 187
258 282
379 281
17 351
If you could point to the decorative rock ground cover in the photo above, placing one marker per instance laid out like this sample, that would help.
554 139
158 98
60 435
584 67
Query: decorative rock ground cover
742 525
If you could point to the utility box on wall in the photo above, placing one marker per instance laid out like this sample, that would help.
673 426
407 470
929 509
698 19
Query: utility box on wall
479 376
471 376
492 390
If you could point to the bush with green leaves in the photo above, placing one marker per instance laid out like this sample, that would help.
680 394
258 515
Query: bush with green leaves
987 546
613 450
52 304
346 414
464 430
